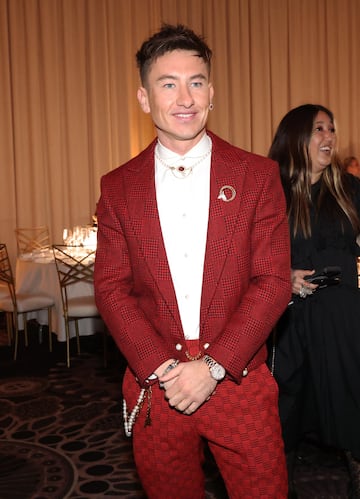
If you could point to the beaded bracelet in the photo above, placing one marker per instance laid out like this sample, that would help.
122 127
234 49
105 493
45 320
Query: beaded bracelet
167 370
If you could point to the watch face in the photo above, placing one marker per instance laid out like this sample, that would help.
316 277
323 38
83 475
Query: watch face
217 372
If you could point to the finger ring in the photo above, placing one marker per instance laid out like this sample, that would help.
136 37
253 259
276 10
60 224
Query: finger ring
304 291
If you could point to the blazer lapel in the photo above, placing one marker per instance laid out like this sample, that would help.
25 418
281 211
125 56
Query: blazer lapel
143 211
225 181
223 215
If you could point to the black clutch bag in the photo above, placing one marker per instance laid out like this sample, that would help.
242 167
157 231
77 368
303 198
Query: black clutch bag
328 276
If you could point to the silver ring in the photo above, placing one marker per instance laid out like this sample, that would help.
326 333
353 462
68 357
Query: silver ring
304 291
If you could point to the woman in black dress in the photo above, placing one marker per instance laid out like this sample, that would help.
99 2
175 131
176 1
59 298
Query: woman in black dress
316 356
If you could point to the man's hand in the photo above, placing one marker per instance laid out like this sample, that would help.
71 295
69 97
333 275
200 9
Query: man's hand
188 386
161 369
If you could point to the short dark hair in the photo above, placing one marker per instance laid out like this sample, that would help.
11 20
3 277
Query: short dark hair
168 39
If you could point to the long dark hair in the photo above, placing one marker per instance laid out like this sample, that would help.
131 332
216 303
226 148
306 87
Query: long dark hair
290 148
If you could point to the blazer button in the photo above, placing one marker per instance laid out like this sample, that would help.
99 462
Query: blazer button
178 347
245 372
206 346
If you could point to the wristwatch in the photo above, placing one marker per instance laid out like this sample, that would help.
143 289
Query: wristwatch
216 370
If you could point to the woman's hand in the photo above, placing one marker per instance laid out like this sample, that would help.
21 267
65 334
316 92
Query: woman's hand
300 286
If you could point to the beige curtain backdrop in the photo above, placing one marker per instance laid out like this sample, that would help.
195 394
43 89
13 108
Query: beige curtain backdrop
68 108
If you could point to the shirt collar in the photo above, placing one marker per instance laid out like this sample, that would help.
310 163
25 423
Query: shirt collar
199 150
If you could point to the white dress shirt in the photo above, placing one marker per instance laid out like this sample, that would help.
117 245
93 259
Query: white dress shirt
183 205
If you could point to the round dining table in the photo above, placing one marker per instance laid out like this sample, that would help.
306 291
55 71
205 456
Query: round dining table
36 273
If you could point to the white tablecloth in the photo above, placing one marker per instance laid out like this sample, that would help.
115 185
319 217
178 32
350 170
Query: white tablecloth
38 274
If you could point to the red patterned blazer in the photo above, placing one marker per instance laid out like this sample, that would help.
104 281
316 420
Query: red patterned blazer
246 282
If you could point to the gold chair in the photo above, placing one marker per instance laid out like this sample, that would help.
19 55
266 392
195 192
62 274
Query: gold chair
4 293
14 304
31 239
75 265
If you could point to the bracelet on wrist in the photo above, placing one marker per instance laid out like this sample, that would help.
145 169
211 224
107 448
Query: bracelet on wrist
171 366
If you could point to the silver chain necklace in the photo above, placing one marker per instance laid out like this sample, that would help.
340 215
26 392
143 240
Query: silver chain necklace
181 171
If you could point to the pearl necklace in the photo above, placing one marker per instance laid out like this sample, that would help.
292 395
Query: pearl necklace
182 172
129 419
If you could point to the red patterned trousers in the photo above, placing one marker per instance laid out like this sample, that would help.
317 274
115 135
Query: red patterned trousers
239 422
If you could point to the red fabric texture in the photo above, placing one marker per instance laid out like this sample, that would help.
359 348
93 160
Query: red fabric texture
246 283
241 424
246 287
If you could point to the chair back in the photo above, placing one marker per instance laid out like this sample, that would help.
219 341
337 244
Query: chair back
6 274
74 264
31 239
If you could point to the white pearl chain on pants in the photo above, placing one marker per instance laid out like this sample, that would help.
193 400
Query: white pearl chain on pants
129 419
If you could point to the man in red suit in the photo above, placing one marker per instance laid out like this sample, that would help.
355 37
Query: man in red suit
192 272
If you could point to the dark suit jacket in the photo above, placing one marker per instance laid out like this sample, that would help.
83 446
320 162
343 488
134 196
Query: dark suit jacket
246 283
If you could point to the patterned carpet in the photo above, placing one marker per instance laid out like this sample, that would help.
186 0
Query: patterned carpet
61 433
